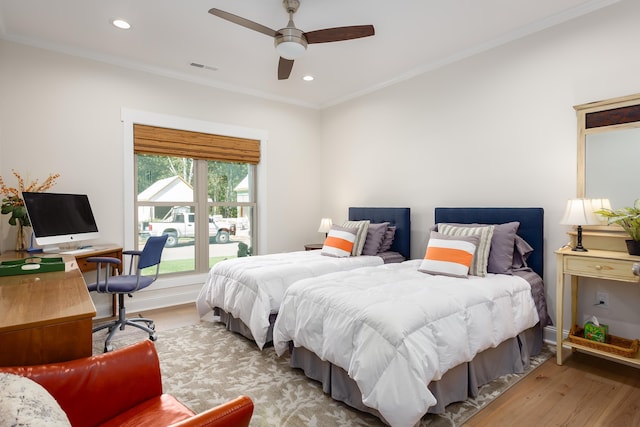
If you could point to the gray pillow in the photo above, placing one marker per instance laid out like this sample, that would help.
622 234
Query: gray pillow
387 240
502 247
521 252
375 234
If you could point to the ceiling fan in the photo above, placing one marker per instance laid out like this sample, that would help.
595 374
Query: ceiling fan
291 42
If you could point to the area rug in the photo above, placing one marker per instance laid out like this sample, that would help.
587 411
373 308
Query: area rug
205 365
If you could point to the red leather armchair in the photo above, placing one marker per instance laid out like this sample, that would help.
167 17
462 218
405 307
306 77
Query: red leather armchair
124 388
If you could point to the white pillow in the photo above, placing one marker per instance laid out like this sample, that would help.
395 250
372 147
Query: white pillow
361 234
24 402
449 255
339 242
481 258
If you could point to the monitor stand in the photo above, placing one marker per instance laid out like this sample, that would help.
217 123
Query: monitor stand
32 249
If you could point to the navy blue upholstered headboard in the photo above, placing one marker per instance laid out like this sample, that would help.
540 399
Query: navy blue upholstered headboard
400 217
531 226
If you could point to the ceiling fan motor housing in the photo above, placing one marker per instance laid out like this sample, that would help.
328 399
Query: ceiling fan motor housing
291 6
290 43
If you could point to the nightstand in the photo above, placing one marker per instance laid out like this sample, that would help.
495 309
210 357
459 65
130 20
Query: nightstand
599 264
313 246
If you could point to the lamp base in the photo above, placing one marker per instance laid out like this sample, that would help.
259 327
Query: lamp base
579 247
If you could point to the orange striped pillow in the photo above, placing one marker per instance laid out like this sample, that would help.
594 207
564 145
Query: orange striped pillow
339 241
449 255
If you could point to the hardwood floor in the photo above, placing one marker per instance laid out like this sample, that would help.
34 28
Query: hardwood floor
585 391
172 317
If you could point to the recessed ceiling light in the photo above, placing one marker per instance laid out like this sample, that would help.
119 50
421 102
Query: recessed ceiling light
307 78
121 23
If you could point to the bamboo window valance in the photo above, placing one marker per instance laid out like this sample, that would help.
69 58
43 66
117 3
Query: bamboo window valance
180 143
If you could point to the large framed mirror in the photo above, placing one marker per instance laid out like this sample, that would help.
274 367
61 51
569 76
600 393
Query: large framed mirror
608 147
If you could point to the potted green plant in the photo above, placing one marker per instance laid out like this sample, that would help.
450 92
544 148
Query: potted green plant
629 219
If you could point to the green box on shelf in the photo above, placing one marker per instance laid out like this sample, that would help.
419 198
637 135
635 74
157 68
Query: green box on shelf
31 265
595 332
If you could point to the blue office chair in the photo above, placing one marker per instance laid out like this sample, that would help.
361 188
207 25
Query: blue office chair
149 256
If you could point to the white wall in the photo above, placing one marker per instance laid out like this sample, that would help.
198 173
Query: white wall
60 113
497 129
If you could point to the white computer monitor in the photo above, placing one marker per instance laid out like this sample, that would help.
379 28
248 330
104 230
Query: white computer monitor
58 218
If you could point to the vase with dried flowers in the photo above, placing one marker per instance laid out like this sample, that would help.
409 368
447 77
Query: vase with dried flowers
12 203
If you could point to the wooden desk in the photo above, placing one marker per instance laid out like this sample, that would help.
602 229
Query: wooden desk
100 250
45 317
112 251
599 264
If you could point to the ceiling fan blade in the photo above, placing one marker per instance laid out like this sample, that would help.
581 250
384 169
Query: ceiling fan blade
242 21
284 68
339 34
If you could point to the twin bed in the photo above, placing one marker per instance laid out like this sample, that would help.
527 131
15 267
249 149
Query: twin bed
396 342
245 293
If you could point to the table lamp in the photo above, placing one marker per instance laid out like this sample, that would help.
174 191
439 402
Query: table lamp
579 212
325 226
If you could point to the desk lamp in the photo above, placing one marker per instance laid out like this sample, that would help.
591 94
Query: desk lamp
579 212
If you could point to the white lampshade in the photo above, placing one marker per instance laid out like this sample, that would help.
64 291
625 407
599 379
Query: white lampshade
598 204
579 212
325 225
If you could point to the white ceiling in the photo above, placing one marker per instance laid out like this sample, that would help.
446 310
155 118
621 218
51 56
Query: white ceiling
412 36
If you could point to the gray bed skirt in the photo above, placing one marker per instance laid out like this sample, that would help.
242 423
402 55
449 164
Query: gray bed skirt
458 384
236 325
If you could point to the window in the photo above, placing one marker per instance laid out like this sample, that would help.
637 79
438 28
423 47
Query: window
168 203
204 201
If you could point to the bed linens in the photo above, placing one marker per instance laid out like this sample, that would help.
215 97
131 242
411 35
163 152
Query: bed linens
251 288
395 329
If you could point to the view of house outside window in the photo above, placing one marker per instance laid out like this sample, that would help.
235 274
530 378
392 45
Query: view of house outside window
206 208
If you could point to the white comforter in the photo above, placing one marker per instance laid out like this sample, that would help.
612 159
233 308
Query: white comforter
251 288
395 329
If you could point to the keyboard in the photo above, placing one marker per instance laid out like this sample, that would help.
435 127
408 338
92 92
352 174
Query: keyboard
78 251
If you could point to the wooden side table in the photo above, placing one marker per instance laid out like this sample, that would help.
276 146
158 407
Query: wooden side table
313 246
609 265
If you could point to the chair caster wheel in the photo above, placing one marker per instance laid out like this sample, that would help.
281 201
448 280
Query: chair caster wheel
108 348
153 337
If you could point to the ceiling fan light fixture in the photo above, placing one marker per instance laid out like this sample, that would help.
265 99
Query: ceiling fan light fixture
290 43
290 50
